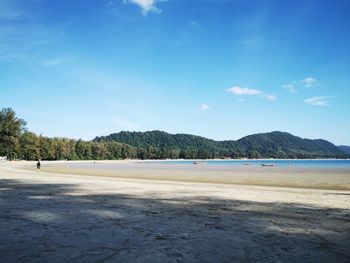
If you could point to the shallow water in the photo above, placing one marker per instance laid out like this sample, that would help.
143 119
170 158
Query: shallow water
308 164
278 163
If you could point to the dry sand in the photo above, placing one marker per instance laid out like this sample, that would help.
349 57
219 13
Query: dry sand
54 217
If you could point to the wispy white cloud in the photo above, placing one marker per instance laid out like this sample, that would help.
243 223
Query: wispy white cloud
290 87
147 6
51 62
317 101
204 106
269 97
194 23
308 82
237 90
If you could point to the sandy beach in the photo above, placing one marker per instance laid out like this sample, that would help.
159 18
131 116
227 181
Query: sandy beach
295 177
151 213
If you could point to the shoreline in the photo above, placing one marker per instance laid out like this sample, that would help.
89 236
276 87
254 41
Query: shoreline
52 217
288 177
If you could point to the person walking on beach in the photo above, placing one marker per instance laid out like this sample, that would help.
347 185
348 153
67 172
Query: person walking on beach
38 166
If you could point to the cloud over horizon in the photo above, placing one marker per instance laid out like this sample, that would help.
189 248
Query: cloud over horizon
269 97
204 106
317 101
243 91
290 87
308 82
238 91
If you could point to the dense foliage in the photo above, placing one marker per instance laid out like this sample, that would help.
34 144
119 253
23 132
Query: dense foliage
18 143
345 149
39 147
11 129
164 145
264 145
284 145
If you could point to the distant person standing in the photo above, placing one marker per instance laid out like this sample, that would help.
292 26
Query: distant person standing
38 166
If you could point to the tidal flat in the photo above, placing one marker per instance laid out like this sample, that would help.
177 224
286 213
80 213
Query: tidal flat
58 215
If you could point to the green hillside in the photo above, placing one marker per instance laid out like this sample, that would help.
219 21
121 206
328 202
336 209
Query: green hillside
264 145
160 145
345 149
285 145
18 143
160 139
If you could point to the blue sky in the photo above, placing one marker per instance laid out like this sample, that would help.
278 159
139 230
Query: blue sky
219 69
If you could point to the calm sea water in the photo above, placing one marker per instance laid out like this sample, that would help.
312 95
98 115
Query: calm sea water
278 163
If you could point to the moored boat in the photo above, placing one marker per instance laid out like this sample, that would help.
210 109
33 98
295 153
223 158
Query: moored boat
267 164
199 162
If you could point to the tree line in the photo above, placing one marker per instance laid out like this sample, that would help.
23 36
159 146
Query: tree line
276 144
16 142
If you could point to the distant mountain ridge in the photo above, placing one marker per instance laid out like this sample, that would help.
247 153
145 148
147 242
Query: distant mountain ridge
16 142
263 145
344 148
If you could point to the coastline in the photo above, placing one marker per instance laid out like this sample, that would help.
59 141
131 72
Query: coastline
290 177
51 217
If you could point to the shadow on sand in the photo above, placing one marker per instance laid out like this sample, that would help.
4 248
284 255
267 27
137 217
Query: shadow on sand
57 223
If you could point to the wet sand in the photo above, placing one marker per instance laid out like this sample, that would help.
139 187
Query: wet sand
57 217
326 178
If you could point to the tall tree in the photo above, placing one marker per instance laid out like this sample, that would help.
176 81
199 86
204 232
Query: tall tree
29 146
11 129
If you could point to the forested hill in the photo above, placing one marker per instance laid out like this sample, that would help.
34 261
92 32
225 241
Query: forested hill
16 142
284 145
264 145
345 149
160 145
160 139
